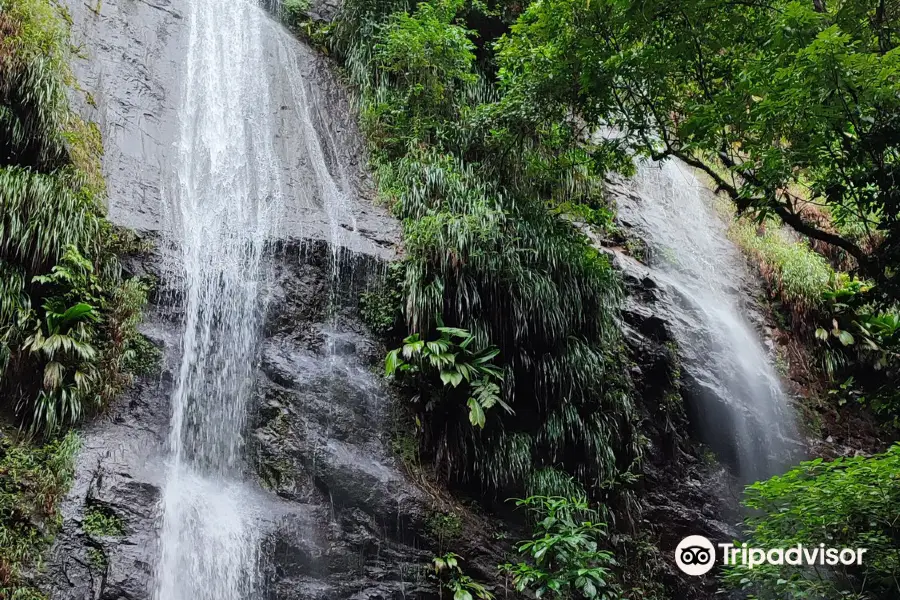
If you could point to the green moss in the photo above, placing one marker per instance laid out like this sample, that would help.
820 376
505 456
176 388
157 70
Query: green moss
101 521
97 557
275 472
33 478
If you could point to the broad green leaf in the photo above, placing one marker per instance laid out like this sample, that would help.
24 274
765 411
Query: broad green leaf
476 414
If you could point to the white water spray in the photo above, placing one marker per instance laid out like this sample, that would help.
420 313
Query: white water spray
745 414
247 125
223 210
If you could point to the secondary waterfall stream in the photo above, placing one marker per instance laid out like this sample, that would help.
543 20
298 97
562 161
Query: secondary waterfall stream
742 411
223 211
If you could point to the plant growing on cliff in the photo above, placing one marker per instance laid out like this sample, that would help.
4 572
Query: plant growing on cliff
33 478
450 576
563 558
66 317
845 503
100 521
476 178
450 359
382 308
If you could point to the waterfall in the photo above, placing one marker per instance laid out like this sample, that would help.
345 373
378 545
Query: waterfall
739 409
223 209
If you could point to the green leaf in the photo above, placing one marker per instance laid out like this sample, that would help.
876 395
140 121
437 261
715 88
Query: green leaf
455 332
486 357
391 362
79 311
451 378
846 338
476 414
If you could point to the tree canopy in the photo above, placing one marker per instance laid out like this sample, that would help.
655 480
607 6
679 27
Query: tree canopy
793 108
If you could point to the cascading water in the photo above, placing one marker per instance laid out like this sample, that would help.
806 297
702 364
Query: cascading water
741 410
243 89
223 210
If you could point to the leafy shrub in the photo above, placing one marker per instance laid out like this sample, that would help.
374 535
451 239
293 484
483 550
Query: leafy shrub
444 526
849 502
450 576
34 478
294 10
451 360
382 308
563 558
67 319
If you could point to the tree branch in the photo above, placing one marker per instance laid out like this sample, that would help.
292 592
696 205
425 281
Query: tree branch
784 211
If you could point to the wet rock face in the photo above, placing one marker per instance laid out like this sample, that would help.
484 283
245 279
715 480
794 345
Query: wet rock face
119 471
341 519
319 440
684 490
132 59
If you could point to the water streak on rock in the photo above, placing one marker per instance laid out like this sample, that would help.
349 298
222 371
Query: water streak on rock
739 408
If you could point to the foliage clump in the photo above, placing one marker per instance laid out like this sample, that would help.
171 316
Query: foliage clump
483 184
67 319
445 527
382 308
845 503
100 521
795 99
450 359
796 273
33 478
450 576
564 559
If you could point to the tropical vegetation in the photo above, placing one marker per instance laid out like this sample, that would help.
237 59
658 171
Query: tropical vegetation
508 304
565 558
68 338
845 503
491 127
67 317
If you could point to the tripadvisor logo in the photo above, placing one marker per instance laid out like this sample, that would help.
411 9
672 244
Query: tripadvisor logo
696 555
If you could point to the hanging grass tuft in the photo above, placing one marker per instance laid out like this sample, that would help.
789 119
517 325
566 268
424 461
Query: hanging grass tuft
478 188
67 320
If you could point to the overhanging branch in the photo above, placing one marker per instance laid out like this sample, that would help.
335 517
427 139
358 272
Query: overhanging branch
784 211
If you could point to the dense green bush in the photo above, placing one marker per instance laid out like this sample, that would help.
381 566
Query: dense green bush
452 359
32 480
477 180
846 503
564 558
67 320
